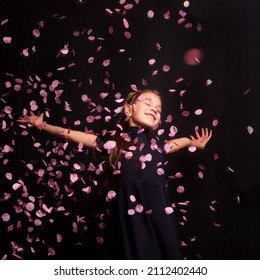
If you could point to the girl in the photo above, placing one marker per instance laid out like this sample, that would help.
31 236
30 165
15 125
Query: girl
144 214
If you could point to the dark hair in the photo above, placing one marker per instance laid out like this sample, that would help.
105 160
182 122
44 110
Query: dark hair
121 143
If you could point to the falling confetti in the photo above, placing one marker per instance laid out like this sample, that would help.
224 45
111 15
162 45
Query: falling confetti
70 68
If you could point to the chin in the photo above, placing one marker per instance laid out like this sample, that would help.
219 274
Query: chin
150 127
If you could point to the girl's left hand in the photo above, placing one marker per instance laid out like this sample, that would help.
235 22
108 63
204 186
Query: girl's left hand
202 139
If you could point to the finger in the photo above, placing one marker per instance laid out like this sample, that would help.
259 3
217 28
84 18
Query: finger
210 134
197 134
21 120
202 132
206 132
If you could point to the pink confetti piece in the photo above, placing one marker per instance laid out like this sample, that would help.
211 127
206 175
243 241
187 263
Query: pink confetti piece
7 40
169 210
29 206
74 177
250 129
37 222
111 195
100 240
128 6
139 208
167 15
155 72
188 25
90 119
58 237
180 189
168 119
185 113
152 61
173 131
160 171
182 13
198 112
110 145
46 209
192 149
87 190
215 122
40 172
103 95
131 212
150 14
5 217
231 169
127 35
16 186
9 176
102 225
160 132
125 22
133 87
181 20
186 4
132 198
51 252
179 80
178 175
8 109
166 68
208 82
17 87
128 155
3 22
246 92
106 62
36 33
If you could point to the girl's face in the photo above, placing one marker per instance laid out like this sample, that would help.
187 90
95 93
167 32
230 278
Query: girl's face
145 112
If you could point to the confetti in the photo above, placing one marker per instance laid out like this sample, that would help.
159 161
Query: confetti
74 72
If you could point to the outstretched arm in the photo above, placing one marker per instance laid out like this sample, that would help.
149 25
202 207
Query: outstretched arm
199 141
88 140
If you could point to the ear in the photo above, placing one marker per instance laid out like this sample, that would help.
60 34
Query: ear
128 110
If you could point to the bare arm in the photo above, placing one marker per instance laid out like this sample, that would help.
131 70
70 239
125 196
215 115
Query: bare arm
199 141
87 139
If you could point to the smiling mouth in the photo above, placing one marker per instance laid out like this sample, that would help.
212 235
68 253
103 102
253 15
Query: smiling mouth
151 115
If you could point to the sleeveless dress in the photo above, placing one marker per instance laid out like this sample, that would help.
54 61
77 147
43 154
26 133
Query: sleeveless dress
144 222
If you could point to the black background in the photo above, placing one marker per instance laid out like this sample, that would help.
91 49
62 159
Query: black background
218 215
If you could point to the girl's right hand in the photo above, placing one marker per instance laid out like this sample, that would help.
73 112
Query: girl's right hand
32 119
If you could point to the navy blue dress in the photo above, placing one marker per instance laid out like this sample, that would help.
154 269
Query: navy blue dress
145 223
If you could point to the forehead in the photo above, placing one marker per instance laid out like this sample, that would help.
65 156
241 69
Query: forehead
150 96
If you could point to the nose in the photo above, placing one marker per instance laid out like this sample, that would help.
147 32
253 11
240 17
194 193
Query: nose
154 110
